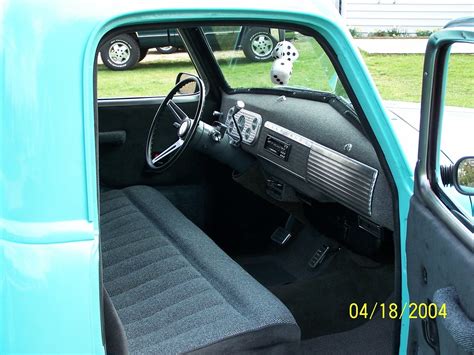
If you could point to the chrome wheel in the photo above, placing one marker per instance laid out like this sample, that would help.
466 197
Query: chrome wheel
262 45
119 53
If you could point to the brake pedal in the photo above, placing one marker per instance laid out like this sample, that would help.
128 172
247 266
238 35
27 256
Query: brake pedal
281 236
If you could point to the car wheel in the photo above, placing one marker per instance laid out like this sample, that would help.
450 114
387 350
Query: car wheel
143 53
120 53
258 44
166 50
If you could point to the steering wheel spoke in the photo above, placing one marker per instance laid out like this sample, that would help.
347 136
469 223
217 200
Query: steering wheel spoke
173 147
176 111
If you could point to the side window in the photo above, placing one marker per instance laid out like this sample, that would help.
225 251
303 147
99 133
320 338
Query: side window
141 64
457 125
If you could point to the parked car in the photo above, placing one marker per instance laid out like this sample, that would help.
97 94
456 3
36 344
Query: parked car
233 213
124 51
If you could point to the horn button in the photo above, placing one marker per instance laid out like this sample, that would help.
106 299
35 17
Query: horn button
184 128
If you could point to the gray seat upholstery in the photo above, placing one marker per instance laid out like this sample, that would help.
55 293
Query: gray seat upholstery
174 290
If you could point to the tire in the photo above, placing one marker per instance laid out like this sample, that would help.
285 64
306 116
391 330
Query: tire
143 53
166 50
120 53
258 44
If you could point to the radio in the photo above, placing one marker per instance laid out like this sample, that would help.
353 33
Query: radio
277 147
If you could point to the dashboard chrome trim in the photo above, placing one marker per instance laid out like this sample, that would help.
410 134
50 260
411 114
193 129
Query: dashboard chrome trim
289 134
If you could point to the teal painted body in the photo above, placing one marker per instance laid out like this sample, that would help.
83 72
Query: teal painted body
49 259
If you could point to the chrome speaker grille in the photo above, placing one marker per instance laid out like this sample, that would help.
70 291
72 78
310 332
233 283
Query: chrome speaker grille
348 181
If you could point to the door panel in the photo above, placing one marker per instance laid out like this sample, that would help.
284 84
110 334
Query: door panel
437 260
123 164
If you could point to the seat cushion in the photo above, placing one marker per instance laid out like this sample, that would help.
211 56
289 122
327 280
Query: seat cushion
174 289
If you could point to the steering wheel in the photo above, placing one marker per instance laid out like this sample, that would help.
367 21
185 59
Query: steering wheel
186 126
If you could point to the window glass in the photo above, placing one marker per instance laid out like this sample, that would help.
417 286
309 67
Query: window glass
457 127
244 55
141 64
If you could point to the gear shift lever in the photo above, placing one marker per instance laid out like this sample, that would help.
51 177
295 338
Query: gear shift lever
239 105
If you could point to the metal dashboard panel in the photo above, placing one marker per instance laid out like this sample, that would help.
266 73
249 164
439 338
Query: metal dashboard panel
249 123
348 181
298 158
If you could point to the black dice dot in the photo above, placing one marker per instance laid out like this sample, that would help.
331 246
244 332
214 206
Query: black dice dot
289 47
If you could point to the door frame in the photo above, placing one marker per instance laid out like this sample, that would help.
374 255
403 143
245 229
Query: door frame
434 78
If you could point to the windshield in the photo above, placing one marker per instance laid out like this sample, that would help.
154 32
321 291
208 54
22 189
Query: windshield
255 57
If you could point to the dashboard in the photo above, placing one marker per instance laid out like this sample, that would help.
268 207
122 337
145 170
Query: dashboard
311 149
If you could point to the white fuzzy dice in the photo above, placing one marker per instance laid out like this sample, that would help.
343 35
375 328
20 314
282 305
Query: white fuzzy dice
285 50
281 72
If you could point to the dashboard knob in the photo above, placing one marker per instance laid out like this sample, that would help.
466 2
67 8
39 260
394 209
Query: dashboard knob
239 105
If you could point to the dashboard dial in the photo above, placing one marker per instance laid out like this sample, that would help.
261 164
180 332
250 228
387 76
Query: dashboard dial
230 113
241 122
247 133
254 124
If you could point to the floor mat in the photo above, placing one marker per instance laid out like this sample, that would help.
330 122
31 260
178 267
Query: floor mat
271 272
373 337
319 299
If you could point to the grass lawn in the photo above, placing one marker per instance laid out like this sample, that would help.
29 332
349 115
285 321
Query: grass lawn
398 77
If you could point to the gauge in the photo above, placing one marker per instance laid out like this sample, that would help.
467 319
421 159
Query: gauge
254 124
229 115
247 133
241 122
230 125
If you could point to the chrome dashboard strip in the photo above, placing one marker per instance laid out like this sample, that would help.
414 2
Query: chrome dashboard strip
289 134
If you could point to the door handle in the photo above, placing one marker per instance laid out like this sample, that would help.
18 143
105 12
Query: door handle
458 324
112 138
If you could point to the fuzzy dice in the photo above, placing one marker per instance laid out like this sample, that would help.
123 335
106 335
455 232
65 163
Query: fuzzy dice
285 54
285 50
281 72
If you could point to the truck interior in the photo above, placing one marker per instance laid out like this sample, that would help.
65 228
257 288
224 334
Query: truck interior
242 215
